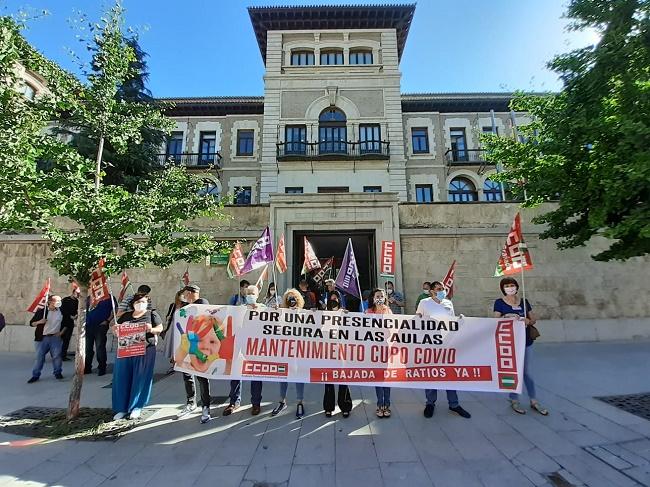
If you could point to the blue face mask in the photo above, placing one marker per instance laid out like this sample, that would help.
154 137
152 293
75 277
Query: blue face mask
441 295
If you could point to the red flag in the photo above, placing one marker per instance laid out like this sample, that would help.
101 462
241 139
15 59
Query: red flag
263 276
281 256
311 261
98 287
186 277
448 281
125 284
41 300
514 256
235 261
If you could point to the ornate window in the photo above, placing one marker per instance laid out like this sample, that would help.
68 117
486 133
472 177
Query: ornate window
330 57
302 58
492 191
332 131
361 56
462 190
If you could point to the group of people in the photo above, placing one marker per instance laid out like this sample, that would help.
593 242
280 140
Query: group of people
133 376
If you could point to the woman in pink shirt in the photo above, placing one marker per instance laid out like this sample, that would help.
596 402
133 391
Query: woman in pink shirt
377 306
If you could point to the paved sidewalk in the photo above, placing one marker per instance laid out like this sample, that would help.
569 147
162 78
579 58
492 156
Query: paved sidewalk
582 442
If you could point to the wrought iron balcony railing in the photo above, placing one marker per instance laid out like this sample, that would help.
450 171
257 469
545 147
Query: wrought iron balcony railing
333 150
466 156
201 159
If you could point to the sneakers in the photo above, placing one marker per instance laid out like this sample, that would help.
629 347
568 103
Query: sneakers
205 414
300 410
279 408
255 410
58 376
231 408
119 416
32 380
186 411
461 412
135 414
428 410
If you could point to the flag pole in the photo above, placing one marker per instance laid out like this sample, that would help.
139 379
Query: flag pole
523 280
47 297
356 268
110 294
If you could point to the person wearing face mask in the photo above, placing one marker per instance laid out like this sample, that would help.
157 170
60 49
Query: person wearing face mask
124 305
330 288
438 305
133 376
271 299
239 298
329 398
50 319
377 305
292 300
250 299
426 286
395 300
191 295
511 305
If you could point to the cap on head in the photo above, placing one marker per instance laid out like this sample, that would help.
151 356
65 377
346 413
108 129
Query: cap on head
193 288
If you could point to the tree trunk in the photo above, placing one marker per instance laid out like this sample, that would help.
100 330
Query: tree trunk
79 358
98 167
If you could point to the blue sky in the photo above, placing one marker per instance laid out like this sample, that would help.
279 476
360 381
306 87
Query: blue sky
207 47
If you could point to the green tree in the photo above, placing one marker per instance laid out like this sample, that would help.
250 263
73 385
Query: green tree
139 160
67 202
588 146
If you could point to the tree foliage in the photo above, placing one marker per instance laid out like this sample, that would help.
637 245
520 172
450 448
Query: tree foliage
588 146
48 187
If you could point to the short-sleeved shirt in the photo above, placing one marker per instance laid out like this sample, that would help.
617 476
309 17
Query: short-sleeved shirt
151 317
53 322
428 307
504 308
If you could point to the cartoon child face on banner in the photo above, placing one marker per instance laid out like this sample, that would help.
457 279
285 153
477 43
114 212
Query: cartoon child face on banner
205 340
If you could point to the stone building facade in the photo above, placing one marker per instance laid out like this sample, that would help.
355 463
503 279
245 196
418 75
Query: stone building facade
334 150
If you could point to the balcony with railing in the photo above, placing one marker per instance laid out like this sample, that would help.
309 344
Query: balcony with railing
192 160
466 157
331 150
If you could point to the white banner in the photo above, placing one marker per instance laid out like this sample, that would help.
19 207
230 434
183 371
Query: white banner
281 345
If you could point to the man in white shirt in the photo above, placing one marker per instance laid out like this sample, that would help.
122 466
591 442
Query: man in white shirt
52 341
438 305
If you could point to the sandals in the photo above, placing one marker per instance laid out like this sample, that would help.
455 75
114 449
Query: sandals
328 414
386 412
380 412
516 407
536 406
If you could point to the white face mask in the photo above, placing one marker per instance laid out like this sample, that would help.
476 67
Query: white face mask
380 301
390 290
140 306
510 291
250 299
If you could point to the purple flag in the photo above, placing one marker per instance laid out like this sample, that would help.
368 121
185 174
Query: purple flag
261 253
348 278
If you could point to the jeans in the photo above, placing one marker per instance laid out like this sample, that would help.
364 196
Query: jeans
383 396
133 381
256 392
300 390
96 342
432 395
345 400
204 389
528 376
51 344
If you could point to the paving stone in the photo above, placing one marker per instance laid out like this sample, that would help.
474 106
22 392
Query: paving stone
592 471
224 476
608 457
411 474
312 475
640 474
359 477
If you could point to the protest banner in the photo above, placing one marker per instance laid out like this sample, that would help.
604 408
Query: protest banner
237 342
131 339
